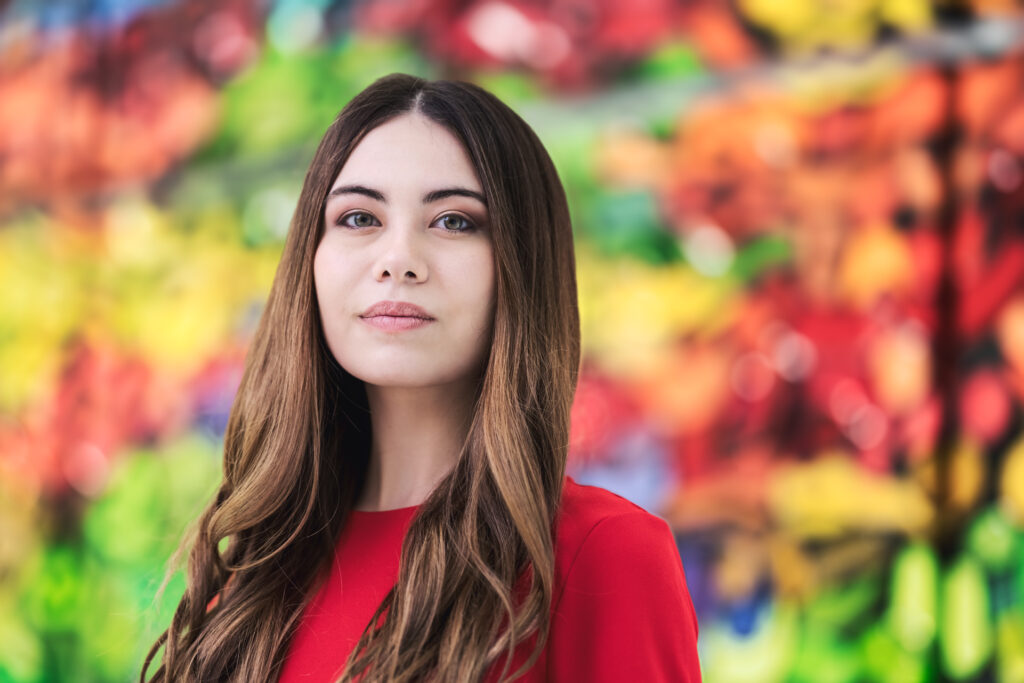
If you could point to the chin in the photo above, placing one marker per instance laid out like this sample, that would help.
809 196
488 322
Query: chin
395 376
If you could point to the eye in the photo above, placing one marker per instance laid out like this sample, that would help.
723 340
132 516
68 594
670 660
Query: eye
453 222
358 219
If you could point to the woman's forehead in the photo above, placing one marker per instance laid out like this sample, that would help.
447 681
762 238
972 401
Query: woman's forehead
409 149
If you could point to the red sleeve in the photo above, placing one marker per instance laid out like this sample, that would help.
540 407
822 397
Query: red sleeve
625 613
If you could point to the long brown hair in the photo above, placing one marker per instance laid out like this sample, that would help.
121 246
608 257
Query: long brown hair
297 443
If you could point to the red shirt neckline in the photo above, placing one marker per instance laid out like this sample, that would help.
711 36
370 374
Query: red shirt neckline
392 511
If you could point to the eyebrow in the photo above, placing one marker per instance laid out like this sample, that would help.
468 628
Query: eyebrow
432 196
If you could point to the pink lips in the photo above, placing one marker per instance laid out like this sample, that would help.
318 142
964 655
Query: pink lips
395 315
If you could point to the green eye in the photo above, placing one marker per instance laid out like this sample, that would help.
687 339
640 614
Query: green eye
453 222
357 219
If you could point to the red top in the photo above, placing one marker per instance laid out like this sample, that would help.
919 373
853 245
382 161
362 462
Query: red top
620 608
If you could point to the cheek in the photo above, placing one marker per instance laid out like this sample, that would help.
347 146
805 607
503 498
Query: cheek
321 282
317 277
484 292
476 282
329 273
332 304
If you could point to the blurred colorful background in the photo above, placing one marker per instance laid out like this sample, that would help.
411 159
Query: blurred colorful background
800 243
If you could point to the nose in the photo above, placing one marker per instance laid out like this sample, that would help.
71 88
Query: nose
401 256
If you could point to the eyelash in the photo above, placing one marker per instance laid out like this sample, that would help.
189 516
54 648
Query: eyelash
468 223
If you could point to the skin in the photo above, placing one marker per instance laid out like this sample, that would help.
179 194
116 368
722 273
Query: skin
437 254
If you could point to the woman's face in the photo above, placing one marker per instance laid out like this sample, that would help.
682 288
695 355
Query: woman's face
405 222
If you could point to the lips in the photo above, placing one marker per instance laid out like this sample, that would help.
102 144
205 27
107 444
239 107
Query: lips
396 309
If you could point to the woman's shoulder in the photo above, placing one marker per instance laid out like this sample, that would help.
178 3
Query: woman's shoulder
584 507
608 525
618 571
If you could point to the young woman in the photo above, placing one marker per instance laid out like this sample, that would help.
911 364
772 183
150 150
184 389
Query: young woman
394 504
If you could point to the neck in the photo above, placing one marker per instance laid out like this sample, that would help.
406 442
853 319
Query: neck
417 435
